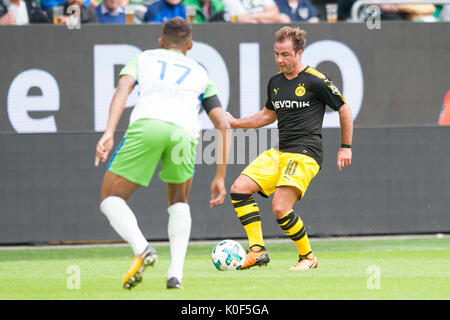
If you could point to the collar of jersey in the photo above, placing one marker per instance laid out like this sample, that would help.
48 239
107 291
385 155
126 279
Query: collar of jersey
172 50
307 67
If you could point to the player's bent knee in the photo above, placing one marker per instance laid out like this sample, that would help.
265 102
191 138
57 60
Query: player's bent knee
238 187
279 210
110 202
234 188
244 185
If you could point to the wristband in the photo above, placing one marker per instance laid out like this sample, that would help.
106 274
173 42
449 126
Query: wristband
346 146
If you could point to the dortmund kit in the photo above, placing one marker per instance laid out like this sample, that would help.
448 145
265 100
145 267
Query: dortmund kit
300 108
300 105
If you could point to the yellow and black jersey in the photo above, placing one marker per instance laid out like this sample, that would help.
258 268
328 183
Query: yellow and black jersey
300 107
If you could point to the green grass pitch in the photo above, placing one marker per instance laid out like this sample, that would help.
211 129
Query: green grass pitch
348 269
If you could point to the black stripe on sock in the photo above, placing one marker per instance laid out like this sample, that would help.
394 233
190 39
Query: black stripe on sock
249 215
244 202
290 224
240 196
300 257
298 235
251 220
286 218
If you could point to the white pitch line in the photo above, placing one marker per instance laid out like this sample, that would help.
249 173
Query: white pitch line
269 240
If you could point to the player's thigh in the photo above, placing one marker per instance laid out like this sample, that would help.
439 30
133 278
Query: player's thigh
297 171
264 171
178 192
115 185
178 158
138 155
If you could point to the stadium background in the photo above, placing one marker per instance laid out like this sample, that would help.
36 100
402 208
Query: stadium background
399 181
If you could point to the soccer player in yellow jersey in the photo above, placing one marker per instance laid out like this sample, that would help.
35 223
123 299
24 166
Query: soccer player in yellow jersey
297 97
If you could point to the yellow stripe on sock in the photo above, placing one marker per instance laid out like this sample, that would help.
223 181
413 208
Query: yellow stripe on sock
242 211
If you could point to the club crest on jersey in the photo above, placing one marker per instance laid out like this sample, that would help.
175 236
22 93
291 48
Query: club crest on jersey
300 91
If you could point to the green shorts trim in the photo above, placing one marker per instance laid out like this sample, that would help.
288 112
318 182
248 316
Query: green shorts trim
148 142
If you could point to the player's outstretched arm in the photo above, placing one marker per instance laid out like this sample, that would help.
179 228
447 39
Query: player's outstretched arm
258 120
344 157
105 144
223 142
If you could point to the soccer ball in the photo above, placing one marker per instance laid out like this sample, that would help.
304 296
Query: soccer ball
228 255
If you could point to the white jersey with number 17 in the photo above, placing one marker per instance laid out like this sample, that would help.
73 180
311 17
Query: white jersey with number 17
171 88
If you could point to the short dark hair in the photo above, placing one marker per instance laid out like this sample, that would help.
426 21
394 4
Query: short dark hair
296 35
177 31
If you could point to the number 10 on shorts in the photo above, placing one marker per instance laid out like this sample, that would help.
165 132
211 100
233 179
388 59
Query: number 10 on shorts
291 168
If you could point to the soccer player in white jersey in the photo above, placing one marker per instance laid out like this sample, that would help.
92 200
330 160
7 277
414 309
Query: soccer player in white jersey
164 127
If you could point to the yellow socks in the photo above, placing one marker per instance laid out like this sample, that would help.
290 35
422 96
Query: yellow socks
292 225
248 213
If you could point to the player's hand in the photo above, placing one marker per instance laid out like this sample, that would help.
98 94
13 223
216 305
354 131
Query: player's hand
8 19
104 146
232 120
218 192
344 158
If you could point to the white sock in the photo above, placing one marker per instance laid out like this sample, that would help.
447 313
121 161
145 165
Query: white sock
179 230
122 219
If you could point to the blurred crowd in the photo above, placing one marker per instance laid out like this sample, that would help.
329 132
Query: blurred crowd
23 12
